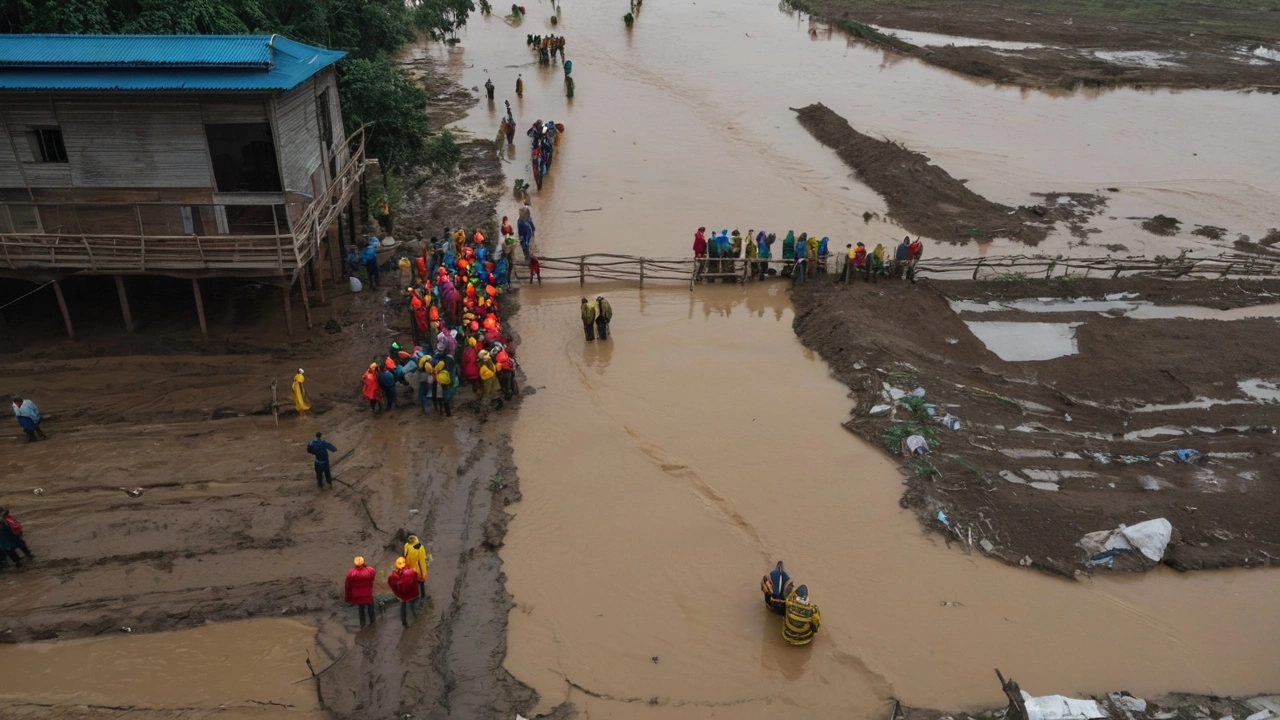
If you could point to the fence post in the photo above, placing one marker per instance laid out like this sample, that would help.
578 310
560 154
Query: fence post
641 272
582 270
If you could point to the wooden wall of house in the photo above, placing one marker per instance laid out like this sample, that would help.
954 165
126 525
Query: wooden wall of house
298 137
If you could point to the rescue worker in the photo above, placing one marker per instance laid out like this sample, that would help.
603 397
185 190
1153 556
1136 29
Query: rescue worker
321 448
403 582
803 618
801 253
358 589
753 252
589 314
777 587
700 243
519 85
604 315
788 252
416 556
299 392
491 389
488 88
28 419
369 387
506 374
915 252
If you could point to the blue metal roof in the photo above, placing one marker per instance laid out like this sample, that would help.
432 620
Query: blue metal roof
158 62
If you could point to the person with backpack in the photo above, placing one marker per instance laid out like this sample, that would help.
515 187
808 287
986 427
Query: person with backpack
604 314
28 419
11 538
403 582
321 448
358 589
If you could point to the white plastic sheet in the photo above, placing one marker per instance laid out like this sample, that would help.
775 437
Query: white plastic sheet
1060 707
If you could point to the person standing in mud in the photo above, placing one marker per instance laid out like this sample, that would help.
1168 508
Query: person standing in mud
901 255
589 314
416 556
604 315
387 383
488 88
358 589
916 251
321 448
519 85
403 582
28 416
369 388
801 254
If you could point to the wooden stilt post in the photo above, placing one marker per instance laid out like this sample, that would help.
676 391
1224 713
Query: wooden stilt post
286 287
319 274
62 305
124 304
582 271
641 272
204 326
306 301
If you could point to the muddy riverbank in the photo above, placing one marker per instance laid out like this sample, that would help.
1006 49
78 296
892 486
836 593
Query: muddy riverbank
1071 406
1075 43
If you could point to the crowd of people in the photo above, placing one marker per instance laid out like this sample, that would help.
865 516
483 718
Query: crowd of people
453 286
546 47
801 257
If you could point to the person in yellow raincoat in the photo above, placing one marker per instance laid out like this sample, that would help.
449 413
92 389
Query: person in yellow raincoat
300 402
489 380
418 559
803 618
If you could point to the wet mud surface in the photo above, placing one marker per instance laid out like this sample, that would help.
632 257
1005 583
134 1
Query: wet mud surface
229 524
1094 430
1082 44
926 200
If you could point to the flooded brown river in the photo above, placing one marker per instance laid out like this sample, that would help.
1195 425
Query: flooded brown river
665 470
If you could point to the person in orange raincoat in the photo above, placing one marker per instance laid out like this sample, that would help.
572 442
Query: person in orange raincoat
370 389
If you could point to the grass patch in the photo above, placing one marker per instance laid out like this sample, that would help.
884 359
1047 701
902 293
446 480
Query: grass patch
897 432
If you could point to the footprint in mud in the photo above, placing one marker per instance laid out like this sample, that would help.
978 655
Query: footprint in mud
684 472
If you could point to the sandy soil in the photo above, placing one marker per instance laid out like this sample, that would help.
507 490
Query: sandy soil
1074 420
229 523
1196 45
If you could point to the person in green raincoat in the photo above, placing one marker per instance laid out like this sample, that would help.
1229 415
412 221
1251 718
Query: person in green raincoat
788 252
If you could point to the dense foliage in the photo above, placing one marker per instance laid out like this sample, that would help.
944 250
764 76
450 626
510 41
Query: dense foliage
372 89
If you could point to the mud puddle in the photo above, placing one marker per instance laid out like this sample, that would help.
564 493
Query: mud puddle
664 469
237 670
1119 305
688 112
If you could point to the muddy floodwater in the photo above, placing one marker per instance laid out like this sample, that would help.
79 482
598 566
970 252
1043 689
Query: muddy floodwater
237 670
684 121
664 470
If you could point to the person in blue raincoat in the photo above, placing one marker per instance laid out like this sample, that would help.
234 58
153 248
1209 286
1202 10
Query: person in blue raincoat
370 259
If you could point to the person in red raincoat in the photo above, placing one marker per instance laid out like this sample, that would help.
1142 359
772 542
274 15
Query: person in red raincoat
471 365
359 589
419 318
700 243
403 582
370 389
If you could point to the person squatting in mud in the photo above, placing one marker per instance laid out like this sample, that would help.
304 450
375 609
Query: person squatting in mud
28 417
453 291
11 539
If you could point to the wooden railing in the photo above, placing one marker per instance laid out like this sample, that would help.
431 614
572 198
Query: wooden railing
283 249
606 266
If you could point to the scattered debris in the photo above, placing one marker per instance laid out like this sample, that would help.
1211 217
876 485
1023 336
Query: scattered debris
1149 538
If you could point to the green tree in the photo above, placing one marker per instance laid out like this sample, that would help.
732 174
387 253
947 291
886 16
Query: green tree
76 17
375 93
441 18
